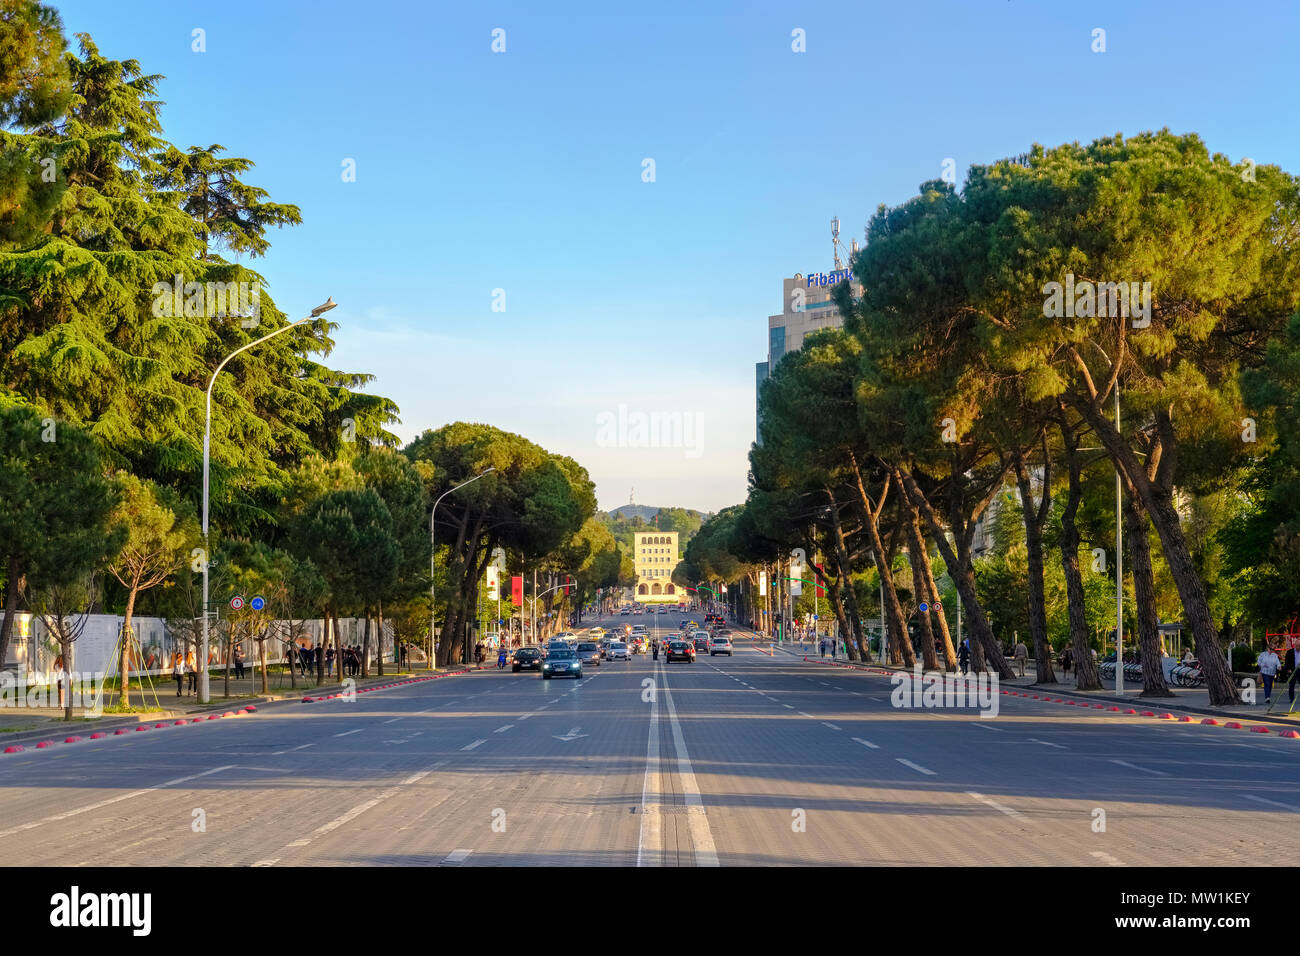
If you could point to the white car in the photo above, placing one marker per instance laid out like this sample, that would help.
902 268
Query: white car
618 651
719 645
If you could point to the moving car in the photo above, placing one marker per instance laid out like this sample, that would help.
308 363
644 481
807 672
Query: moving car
589 653
526 657
701 639
562 662
618 651
679 650
719 645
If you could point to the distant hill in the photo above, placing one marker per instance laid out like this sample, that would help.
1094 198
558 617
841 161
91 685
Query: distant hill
628 512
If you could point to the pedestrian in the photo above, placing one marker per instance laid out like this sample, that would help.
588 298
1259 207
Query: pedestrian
330 654
239 663
1022 656
1268 665
191 673
1067 658
178 670
963 656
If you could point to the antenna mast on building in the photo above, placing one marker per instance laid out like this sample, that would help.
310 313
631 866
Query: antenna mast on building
835 242
631 497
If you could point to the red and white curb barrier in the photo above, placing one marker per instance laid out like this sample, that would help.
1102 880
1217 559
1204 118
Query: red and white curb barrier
123 731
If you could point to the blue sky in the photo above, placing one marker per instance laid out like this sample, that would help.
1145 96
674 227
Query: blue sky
522 171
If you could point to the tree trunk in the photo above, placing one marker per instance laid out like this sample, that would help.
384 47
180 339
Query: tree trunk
1086 675
365 646
11 608
65 646
1034 517
327 627
230 651
397 658
1144 591
1159 504
261 652
124 672
963 575
338 649
918 557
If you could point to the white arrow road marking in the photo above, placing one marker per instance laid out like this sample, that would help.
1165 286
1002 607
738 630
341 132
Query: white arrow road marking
457 856
571 735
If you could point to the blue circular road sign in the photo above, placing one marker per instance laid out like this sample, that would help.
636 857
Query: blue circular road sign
258 603
924 607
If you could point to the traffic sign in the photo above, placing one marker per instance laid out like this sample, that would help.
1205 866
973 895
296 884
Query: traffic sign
258 603
236 602
924 607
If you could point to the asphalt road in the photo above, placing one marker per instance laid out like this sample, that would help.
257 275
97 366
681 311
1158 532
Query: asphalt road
752 759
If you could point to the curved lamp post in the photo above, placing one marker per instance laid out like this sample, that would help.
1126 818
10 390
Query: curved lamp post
207 444
433 559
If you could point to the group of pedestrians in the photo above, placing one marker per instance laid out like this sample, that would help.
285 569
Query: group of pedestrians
185 670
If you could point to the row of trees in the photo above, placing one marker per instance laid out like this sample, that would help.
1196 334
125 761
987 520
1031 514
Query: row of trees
123 285
999 330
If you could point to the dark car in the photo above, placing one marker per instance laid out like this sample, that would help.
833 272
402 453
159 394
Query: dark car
527 657
561 662
680 651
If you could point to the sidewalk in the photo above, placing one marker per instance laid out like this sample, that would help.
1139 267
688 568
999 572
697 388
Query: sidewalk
21 724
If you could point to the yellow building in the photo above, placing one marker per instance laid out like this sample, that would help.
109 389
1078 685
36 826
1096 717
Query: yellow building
655 557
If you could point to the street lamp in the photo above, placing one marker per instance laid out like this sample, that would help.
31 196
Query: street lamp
316 313
433 560
1119 550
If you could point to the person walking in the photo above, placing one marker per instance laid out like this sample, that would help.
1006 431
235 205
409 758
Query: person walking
239 662
191 673
1067 658
329 659
1268 665
178 670
1022 656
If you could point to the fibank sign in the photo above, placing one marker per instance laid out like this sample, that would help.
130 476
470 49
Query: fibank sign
828 278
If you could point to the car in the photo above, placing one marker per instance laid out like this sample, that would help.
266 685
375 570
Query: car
625 611
701 639
562 662
589 653
680 651
618 651
719 645
526 657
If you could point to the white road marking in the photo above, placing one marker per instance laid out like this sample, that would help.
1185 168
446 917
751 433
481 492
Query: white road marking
111 800
1271 803
649 849
706 853
1106 858
1048 743
915 766
1133 766
267 862
349 733
980 723
827 723
502 730
867 743
474 744
457 856
787 706
989 801
393 721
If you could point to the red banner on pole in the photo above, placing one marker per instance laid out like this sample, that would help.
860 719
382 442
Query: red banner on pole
821 591
517 590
